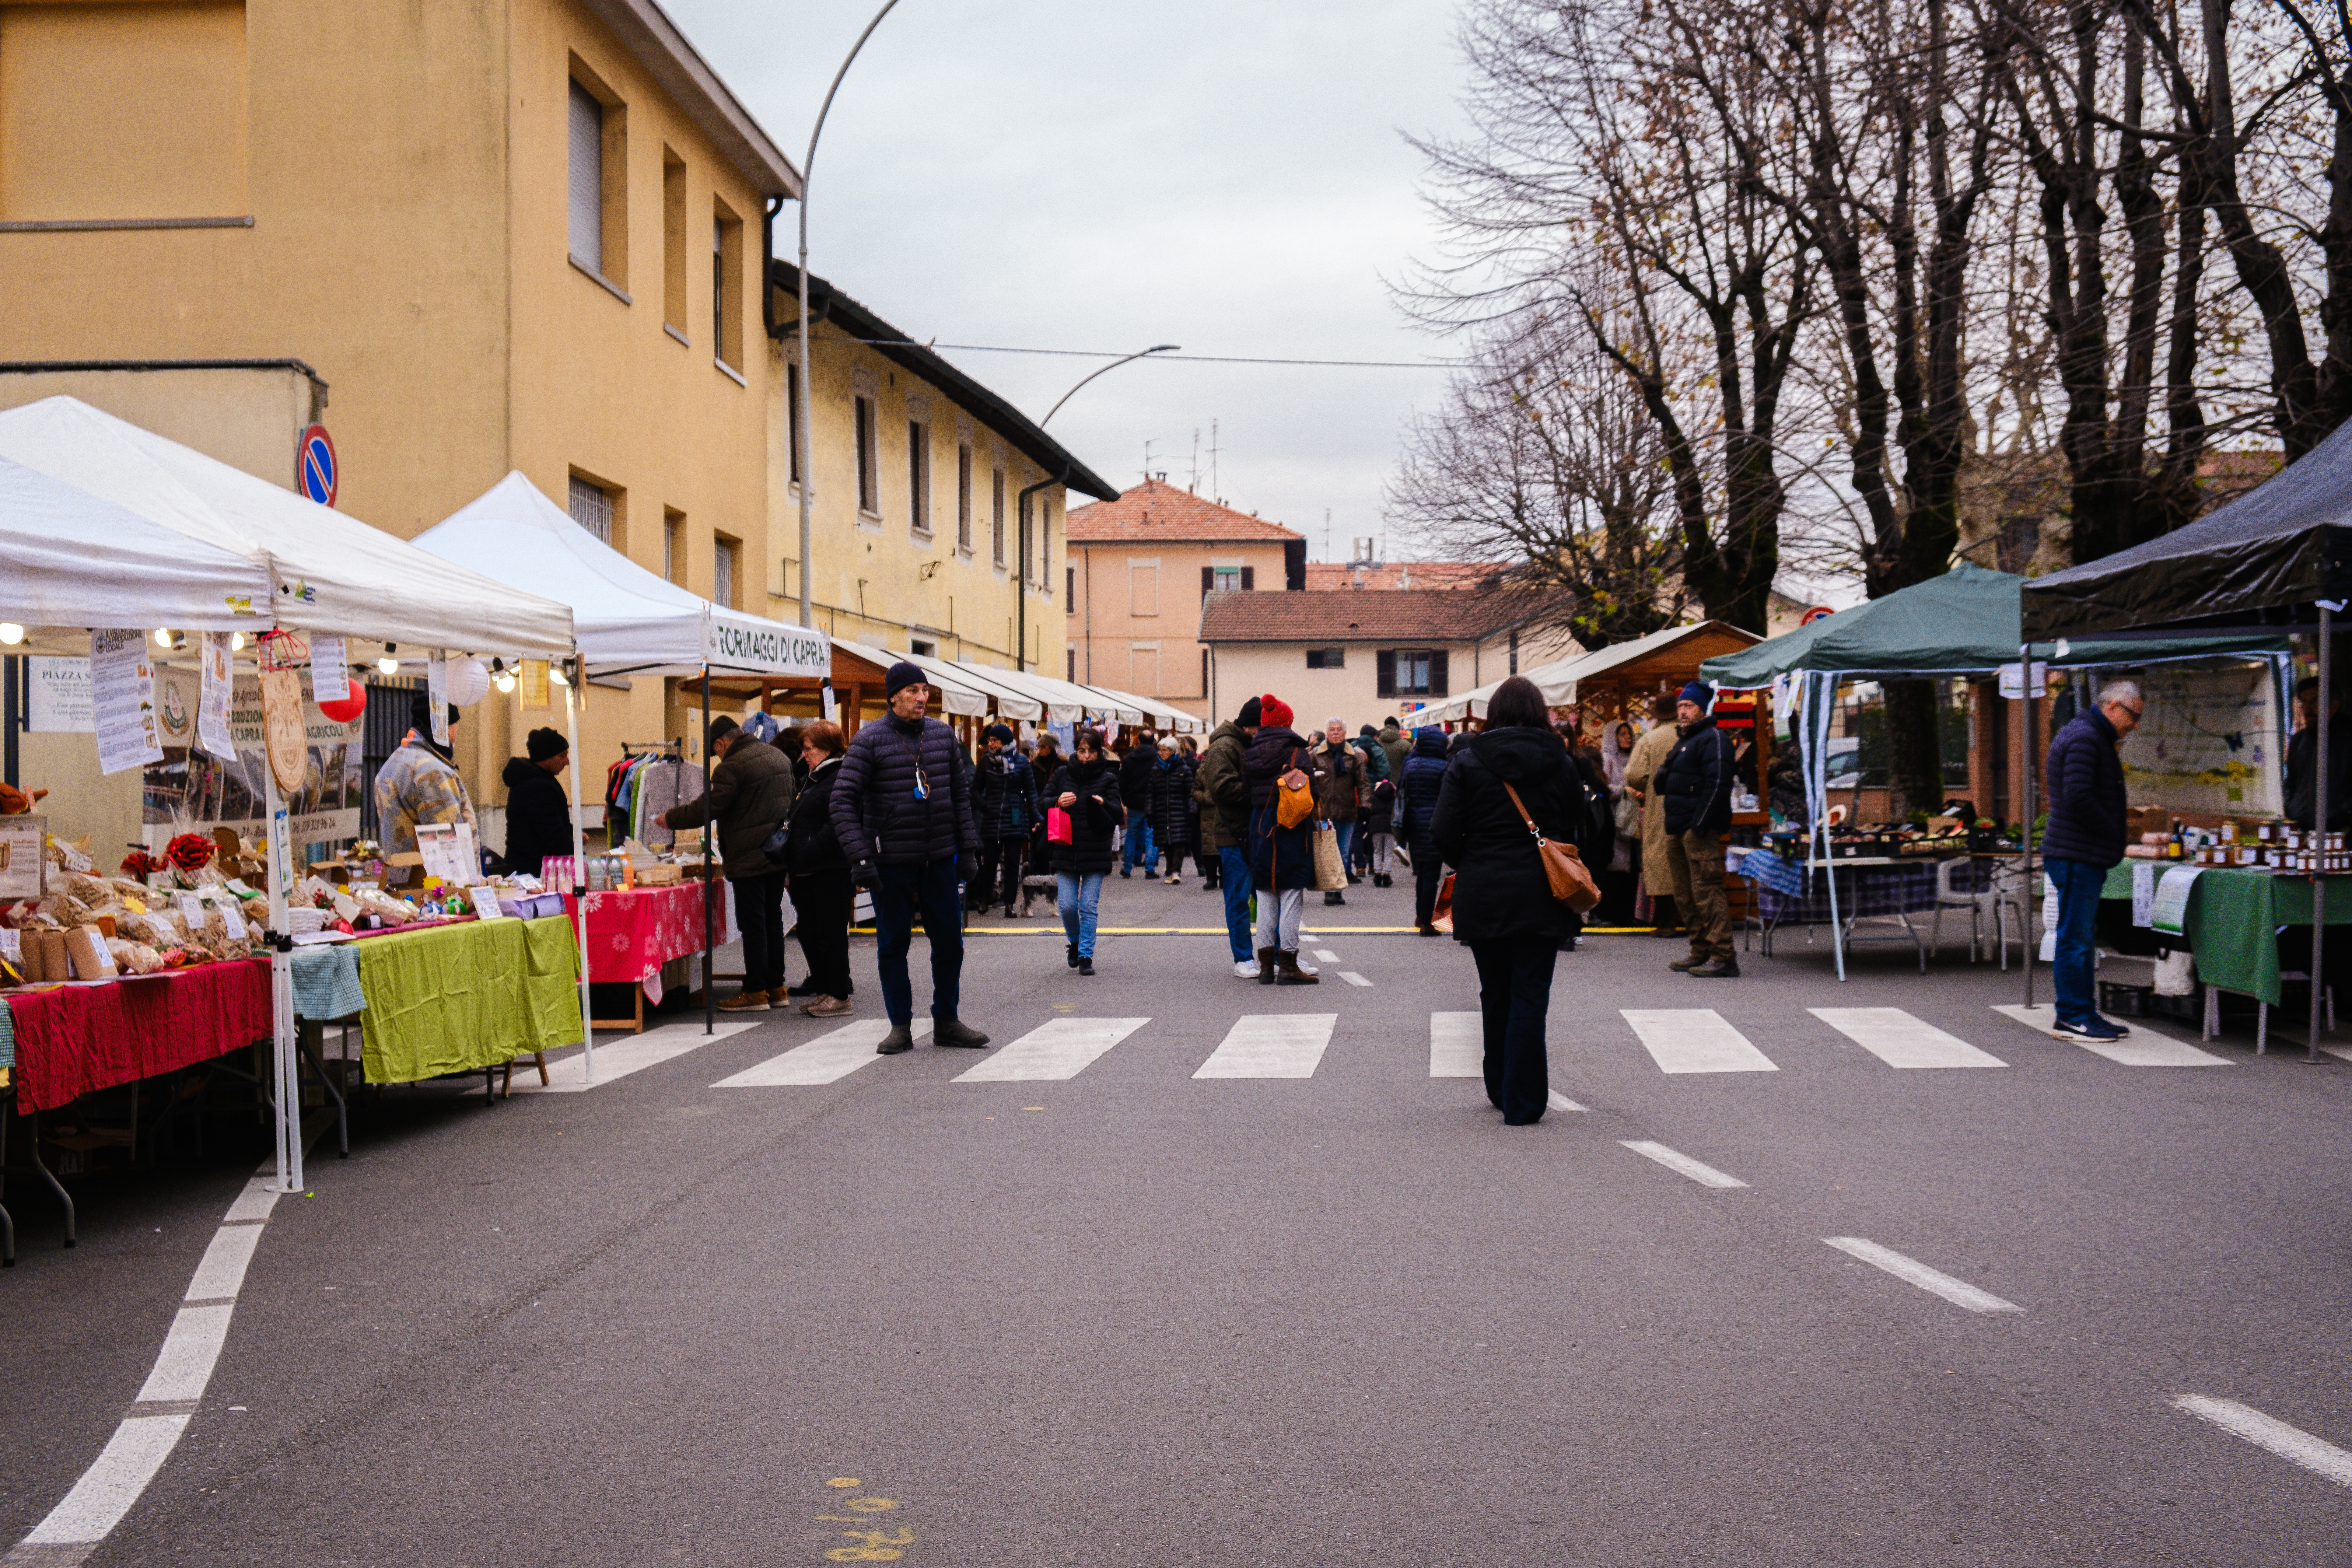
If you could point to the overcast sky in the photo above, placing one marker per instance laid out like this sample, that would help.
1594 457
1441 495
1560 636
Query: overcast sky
1223 174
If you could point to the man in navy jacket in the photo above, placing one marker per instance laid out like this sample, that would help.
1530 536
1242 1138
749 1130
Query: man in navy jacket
2086 837
1695 780
902 810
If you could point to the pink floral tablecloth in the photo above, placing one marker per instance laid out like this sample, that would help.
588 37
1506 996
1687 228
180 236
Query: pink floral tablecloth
633 931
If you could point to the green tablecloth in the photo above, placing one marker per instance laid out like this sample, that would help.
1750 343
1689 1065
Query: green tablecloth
2233 917
460 998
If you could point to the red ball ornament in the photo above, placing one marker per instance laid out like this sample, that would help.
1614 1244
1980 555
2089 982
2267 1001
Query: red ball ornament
349 709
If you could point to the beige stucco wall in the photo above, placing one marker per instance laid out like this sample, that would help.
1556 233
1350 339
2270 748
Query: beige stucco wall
249 419
1105 627
1242 670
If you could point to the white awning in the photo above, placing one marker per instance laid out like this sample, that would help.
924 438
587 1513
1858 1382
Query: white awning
70 560
959 697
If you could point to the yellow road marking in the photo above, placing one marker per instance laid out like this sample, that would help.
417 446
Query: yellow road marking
845 1482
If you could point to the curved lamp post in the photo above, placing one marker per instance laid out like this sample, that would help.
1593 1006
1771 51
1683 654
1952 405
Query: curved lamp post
1139 354
1020 578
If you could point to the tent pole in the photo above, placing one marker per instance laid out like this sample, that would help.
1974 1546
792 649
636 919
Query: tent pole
710 889
580 885
2025 762
2319 826
286 1076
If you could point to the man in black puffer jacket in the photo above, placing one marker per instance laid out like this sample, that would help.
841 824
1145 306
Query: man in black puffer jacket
902 810
1695 780
2086 837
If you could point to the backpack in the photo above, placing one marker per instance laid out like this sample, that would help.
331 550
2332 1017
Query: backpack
1294 803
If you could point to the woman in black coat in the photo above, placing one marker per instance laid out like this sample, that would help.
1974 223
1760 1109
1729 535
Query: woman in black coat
1171 808
1503 907
539 817
818 876
1282 859
1086 786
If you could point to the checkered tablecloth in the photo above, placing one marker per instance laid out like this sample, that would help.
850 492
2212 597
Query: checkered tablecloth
327 981
1862 892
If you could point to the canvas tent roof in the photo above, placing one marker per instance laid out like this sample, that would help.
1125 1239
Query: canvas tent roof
1964 623
1064 703
629 621
1158 714
329 571
2264 559
1557 680
70 559
959 697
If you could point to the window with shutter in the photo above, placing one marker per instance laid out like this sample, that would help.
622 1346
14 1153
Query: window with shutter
996 515
722 572
868 501
963 497
1249 579
587 183
1208 581
918 475
1384 672
592 508
1437 686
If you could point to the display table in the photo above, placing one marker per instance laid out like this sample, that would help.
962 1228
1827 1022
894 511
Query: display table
73 1039
466 996
633 931
1788 892
2233 919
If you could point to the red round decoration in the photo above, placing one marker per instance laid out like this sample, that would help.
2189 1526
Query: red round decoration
349 709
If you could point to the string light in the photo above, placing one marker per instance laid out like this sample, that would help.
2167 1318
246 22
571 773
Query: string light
237 642
387 664
163 637
11 633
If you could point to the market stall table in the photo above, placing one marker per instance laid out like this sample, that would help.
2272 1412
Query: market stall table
466 996
2232 917
1869 886
633 931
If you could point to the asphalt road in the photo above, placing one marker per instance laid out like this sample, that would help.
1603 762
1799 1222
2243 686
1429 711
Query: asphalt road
1134 1317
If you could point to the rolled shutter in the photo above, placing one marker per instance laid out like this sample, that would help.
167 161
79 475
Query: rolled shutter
587 178
1384 678
1208 581
1249 578
1437 686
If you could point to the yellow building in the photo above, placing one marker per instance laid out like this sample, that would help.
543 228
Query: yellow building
471 238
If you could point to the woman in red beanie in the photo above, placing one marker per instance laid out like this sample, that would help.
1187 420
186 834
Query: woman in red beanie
1282 859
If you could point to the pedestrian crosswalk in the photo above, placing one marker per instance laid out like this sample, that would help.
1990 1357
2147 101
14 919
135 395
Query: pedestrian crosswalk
1678 1041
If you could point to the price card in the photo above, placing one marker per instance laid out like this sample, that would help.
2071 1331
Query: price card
234 920
331 681
486 901
2143 893
2172 899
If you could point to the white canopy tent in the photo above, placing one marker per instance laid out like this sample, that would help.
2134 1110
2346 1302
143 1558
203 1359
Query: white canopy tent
1007 702
330 573
958 694
74 560
1158 714
1062 703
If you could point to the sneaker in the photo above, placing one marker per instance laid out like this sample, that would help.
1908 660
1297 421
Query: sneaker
745 1002
2098 1029
899 1041
828 1007
1685 965
1245 968
1720 969
1175 881
956 1032
1085 966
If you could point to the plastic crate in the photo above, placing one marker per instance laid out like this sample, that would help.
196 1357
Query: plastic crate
2120 1000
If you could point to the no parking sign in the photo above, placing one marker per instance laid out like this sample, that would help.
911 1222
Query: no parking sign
316 472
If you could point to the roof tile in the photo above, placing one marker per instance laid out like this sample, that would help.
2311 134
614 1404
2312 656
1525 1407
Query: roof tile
1154 511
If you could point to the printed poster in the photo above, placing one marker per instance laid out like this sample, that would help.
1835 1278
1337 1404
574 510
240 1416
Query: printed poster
216 685
122 699
60 700
2172 899
437 692
330 681
193 789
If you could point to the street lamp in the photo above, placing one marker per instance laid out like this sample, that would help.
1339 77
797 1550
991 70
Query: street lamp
808 172
1139 354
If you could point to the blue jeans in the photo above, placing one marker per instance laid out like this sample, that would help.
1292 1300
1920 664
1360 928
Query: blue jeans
1077 895
1138 843
903 891
1346 834
1233 865
2078 886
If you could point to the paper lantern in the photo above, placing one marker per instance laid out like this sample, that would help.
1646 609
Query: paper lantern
470 682
350 708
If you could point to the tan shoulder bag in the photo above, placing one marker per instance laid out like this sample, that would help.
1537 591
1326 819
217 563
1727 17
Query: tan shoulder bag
1572 884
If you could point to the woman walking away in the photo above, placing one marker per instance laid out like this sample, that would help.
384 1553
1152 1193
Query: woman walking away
1171 807
1282 859
1087 788
1503 906
823 897
1424 771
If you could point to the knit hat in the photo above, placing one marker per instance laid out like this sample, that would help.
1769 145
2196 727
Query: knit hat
1699 691
1248 716
999 734
1273 711
902 674
543 743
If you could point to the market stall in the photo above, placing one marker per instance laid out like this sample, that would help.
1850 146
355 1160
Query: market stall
1612 682
632 933
240 572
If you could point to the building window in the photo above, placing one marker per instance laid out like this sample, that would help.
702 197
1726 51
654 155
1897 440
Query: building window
592 508
1070 591
923 649
792 410
674 244
727 288
963 497
723 552
1143 587
996 514
1412 672
918 475
1070 657
597 184
673 543
868 501
1326 658
1226 579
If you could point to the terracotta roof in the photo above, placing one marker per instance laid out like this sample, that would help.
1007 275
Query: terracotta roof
1155 511
1324 576
1371 615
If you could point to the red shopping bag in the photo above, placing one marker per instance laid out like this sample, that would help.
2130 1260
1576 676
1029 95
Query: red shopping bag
1057 825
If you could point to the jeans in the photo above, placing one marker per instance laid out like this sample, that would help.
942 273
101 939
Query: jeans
903 891
823 902
1138 845
1234 874
1278 915
1514 995
760 910
2078 885
1077 895
1346 833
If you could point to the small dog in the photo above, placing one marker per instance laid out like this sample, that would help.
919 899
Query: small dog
1037 887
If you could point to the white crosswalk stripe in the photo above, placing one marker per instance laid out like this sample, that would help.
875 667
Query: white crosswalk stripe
1060 1049
1900 1040
826 1059
623 1058
1271 1045
2143 1048
1695 1039
1457 1045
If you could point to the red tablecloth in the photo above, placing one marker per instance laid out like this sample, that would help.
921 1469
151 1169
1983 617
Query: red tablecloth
77 1038
633 931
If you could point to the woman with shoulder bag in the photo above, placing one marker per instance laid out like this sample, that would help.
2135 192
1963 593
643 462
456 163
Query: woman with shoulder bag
1280 773
1504 906
1086 788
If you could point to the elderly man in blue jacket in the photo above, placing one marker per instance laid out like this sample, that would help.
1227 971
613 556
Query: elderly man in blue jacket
902 810
2086 837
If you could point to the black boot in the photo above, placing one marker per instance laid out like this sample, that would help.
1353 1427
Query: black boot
1267 964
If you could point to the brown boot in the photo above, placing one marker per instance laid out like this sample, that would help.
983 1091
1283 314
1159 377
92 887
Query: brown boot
1268 964
1291 974
744 1002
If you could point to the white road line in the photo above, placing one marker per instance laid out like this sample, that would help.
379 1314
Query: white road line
255 1203
1695 1039
1457 1045
2143 1049
1327 955
826 1059
2339 1052
1900 1040
2314 1454
1061 1048
1271 1045
1352 978
108 1488
222 1272
1705 1175
185 1364
1959 1292
1559 1102
619 1060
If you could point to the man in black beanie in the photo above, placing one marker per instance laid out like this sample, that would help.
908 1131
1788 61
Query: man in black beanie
1224 801
538 815
902 809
